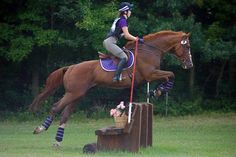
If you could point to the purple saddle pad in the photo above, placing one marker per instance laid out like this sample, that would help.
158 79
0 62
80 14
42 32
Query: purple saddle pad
107 64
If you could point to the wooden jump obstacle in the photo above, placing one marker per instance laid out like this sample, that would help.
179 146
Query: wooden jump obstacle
134 135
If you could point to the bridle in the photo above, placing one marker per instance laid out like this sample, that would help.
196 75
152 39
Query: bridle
185 61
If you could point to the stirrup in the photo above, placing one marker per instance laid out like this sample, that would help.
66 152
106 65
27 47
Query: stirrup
117 78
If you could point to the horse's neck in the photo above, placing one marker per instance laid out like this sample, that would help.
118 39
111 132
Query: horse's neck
164 43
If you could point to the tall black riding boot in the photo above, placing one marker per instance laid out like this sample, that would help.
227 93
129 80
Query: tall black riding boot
119 69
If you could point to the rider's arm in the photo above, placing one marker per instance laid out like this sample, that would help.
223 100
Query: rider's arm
127 35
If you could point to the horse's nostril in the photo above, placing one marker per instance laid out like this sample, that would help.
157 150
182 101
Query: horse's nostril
190 65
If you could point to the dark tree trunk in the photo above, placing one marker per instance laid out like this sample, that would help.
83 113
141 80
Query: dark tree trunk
191 80
218 81
35 81
232 76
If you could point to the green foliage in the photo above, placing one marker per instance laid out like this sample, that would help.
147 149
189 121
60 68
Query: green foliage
45 37
216 47
49 34
219 50
24 35
220 104
20 48
177 107
100 112
96 21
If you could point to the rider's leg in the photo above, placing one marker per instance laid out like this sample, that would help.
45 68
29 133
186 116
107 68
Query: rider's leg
110 45
119 69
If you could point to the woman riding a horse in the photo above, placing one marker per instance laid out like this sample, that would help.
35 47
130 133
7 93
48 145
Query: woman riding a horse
119 29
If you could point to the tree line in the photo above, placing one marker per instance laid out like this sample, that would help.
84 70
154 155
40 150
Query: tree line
37 37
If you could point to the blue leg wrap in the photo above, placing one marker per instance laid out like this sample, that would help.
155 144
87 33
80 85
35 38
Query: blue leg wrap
166 86
47 122
169 85
60 133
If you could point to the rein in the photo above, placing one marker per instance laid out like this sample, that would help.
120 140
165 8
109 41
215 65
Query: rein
154 47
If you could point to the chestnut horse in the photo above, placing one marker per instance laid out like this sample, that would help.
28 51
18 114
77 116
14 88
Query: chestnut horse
79 78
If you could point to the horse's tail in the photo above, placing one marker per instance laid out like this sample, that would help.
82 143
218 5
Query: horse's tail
54 80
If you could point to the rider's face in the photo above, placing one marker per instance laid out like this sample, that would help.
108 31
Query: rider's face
129 13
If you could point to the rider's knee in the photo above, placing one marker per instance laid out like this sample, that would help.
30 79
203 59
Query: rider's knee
124 57
105 42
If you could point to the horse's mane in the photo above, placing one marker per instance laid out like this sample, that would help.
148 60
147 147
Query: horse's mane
161 33
156 35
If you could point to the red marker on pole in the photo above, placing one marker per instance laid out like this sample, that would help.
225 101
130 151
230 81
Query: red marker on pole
132 83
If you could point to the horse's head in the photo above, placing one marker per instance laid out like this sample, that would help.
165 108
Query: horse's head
182 51
164 41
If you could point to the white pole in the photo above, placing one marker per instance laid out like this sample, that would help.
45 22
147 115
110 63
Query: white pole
148 85
166 103
129 116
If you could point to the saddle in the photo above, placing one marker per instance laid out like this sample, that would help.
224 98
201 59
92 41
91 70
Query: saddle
109 62
115 59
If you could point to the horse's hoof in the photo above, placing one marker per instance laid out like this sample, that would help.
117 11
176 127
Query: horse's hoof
158 93
56 144
39 129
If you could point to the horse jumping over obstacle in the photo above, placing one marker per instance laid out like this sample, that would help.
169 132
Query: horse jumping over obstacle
77 79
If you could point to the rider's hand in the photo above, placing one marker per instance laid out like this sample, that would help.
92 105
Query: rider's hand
140 40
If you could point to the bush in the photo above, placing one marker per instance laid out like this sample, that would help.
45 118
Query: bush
220 104
177 108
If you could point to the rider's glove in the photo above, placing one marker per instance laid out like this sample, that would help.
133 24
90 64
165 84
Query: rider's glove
140 40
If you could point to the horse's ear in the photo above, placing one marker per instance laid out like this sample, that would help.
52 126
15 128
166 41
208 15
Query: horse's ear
186 35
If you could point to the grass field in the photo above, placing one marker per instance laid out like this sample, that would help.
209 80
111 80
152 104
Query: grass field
212 135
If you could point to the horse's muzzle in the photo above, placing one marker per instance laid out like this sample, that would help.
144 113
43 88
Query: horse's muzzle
187 65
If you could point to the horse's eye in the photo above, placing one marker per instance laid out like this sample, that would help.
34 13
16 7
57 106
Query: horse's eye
183 42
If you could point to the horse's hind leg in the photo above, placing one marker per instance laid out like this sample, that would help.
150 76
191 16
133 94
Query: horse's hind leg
67 99
46 124
68 110
67 102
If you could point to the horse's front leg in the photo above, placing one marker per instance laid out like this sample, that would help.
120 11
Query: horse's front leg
65 115
161 75
164 87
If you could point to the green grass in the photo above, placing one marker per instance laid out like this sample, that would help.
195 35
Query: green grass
211 135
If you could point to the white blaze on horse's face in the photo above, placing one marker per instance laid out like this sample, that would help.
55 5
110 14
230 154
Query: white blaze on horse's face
186 57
